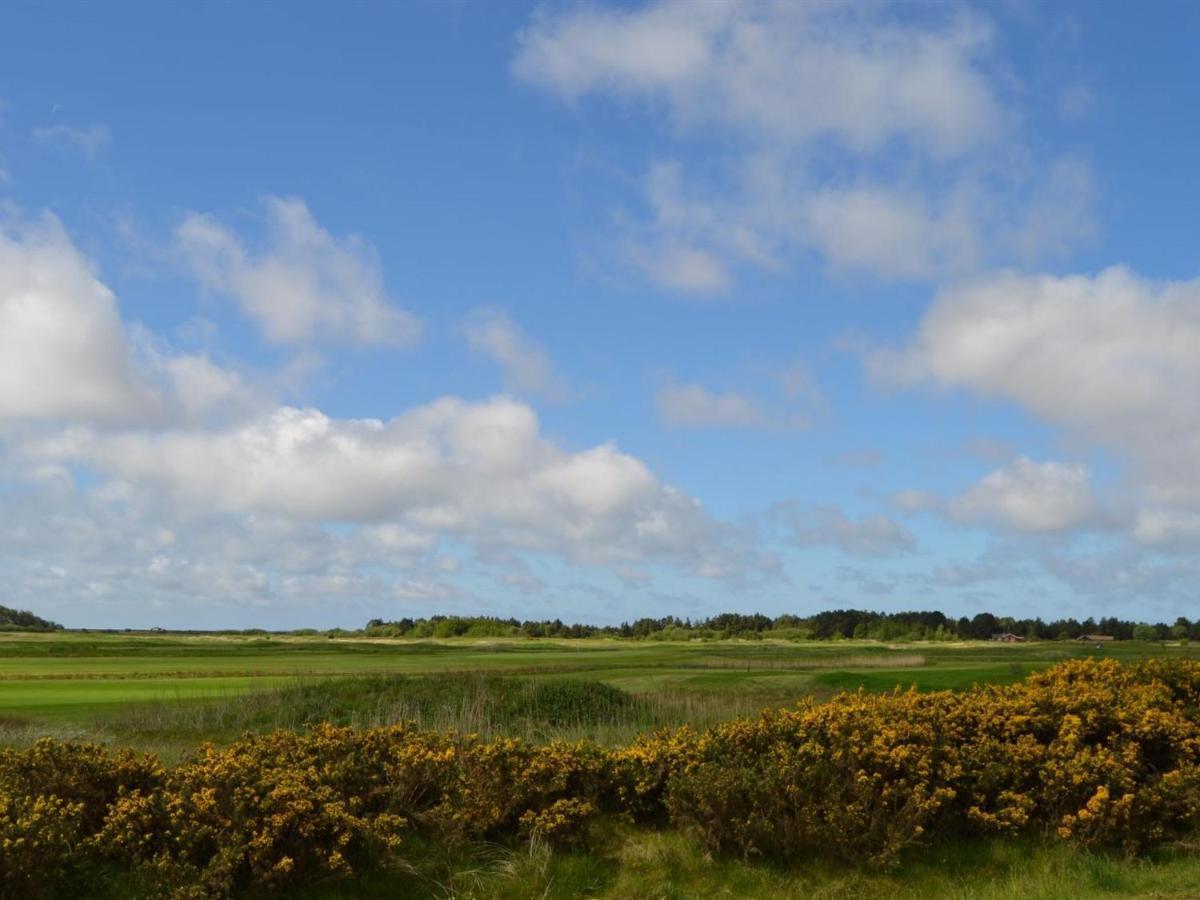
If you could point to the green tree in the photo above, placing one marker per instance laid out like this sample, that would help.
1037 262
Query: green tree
1144 632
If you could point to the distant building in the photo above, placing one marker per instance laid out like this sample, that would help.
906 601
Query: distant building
1094 638
1007 637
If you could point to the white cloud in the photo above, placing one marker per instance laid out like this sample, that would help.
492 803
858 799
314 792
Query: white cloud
890 231
201 389
480 472
694 406
869 535
64 353
1113 358
789 72
112 555
1029 496
306 286
883 144
90 141
1167 527
526 366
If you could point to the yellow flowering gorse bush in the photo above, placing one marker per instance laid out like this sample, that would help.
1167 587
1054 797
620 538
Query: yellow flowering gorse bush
1097 753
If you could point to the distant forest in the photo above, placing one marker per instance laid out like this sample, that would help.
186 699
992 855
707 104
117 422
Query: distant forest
832 625
837 624
23 620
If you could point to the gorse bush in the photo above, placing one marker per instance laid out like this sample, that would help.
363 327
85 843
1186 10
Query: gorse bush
1099 753
1096 753
860 777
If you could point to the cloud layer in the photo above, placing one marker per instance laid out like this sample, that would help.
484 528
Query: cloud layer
791 73
64 352
883 145
479 471
305 285
1111 359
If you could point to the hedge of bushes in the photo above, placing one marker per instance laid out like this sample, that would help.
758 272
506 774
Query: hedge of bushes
1098 753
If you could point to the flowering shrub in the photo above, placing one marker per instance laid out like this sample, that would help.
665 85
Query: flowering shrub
53 797
639 773
860 777
36 836
1097 753
287 808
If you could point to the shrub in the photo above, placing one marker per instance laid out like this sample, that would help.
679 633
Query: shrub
860 777
36 837
1094 752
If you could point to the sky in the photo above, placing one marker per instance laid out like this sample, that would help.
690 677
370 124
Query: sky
322 312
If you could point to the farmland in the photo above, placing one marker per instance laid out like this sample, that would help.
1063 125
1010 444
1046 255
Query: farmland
167 693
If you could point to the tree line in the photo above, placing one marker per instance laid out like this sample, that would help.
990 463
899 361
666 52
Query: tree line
24 620
837 624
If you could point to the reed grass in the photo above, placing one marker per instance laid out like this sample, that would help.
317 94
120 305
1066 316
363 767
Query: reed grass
534 709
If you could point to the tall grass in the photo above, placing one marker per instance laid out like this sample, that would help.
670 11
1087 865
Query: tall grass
536 709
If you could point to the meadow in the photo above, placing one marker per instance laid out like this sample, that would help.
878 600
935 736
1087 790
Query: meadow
166 694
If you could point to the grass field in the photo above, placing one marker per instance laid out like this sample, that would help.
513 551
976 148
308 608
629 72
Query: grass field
167 693
74 679
96 685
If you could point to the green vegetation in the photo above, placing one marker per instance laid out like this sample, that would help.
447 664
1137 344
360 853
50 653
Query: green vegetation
833 624
638 863
166 693
24 620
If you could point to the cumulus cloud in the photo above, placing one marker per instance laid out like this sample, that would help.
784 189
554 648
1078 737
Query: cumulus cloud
1029 496
889 231
694 406
305 285
1110 358
480 472
198 488
95 556
878 140
64 352
525 364
818 525
793 72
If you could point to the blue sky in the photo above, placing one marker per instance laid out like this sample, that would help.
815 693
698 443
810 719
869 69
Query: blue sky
315 314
